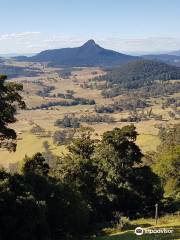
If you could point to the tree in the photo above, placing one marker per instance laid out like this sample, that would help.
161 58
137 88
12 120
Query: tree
38 130
22 216
35 165
122 179
109 174
67 212
170 136
83 145
77 168
115 156
68 122
63 136
38 207
46 145
167 166
10 100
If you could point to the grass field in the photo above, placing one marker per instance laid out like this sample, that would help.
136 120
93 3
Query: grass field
29 144
167 222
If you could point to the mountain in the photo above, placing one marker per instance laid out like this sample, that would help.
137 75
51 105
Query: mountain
143 72
1 60
167 58
89 54
175 53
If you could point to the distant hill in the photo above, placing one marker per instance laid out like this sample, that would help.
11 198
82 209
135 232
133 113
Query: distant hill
89 54
141 73
16 71
176 53
1 60
167 58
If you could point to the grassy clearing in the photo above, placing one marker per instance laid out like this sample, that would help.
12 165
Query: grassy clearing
28 145
148 142
169 222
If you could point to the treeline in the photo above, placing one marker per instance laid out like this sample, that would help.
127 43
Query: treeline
121 105
68 122
71 121
45 91
156 89
78 101
67 72
15 71
63 137
160 89
171 102
69 94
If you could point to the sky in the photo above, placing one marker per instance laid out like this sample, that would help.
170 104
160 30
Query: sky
129 26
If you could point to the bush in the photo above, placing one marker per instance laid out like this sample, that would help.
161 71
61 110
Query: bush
68 122
62 137
121 222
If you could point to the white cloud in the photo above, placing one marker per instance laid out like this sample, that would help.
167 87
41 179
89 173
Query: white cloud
18 35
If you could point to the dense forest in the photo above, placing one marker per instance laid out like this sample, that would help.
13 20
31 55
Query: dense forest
140 73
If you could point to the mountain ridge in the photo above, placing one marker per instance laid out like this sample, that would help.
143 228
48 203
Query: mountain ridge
166 58
89 54
175 53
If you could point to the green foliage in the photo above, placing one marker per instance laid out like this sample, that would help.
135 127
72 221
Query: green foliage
170 137
109 175
167 167
96 118
121 178
130 103
141 73
9 101
21 214
83 145
63 136
38 130
68 122
35 165
34 205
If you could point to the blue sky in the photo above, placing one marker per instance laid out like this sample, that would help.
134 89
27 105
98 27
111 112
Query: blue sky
124 25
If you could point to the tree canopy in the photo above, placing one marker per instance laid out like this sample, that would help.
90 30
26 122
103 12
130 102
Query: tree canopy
10 99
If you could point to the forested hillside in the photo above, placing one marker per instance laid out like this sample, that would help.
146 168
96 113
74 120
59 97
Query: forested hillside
141 73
